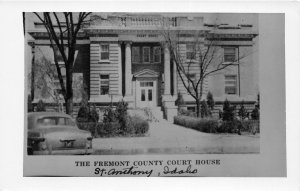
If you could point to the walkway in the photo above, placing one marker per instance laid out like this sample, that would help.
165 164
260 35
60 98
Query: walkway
167 138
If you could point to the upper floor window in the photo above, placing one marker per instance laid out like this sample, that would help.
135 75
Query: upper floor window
104 52
192 77
146 54
190 52
104 84
135 54
231 84
229 54
157 54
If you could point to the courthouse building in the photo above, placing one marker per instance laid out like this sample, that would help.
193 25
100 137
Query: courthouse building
123 57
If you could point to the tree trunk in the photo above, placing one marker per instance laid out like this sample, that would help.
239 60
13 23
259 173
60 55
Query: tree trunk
198 107
69 83
32 73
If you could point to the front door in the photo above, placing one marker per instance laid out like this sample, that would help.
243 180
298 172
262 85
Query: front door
146 94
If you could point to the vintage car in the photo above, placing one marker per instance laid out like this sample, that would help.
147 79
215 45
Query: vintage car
56 133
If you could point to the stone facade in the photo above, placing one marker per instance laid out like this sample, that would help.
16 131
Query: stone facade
124 57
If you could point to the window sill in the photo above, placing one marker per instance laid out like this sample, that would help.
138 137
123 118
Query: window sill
231 63
104 62
191 60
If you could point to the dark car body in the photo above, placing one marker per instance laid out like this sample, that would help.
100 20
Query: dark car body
56 133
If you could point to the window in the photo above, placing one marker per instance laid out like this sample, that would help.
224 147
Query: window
192 77
135 54
104 84
229 54
59 57
146 54
190 51
146 84
157 54
57 86
191 108
231 84
143 96
149 95
104 52
57 121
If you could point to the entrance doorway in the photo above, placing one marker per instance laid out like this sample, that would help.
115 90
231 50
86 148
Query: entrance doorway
146 94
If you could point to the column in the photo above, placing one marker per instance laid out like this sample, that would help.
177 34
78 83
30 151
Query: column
32 90
120 69
175 78
167 70
128 75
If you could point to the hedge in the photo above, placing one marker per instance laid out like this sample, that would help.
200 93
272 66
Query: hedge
203 125
217 126
135 126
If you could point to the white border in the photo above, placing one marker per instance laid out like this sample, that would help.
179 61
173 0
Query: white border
12 96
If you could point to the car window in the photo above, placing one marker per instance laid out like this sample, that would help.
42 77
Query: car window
53 121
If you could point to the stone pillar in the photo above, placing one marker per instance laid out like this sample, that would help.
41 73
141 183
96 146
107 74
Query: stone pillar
167 71
170 110
32 45
175 78
128 75
120 69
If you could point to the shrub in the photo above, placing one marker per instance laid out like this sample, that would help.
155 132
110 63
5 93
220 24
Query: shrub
83 112
204 109
210 102
233 126
237 126
121 113
255 111
203 125
228 111
108 129
185 112
109 115
137 125
179 101
29 104
88 126
93 114
40 106
251 126
242 111
100 129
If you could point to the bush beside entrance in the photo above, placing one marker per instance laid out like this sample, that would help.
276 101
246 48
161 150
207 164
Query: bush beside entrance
116 122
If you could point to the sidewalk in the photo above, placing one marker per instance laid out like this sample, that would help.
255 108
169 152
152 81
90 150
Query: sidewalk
167 138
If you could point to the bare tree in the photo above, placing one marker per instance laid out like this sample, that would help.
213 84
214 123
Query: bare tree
45 81
63 29
203 59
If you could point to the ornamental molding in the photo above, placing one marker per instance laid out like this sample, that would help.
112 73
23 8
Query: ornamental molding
146 73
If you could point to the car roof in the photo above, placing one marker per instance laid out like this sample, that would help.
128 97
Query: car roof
47 114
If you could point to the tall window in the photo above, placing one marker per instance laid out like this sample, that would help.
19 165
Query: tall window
146 54
135 54
104 84
104 52
229 54
231 84
59 57
190 52
192 77
157 54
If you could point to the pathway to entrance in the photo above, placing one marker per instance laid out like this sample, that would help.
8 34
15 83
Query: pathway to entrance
167 138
